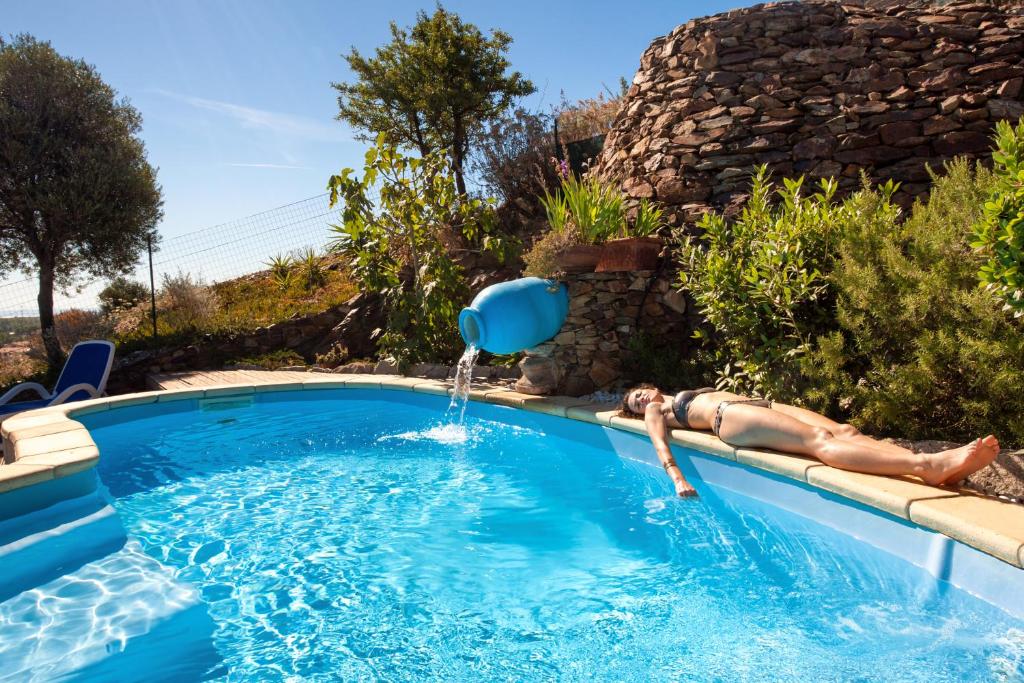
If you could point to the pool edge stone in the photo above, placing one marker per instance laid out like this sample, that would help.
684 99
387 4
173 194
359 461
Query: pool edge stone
891 494
993 526
792 466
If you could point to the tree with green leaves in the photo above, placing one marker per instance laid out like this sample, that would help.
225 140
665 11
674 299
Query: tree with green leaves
397 225
432 87
77 195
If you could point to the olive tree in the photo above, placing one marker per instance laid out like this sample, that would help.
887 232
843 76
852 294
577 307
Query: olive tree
77 196
432 87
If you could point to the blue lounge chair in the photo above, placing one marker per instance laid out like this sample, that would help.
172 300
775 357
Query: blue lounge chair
84 376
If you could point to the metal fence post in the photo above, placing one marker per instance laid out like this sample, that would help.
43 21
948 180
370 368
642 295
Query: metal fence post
152 284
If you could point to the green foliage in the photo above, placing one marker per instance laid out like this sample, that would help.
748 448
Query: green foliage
667 363
556 208
504 360
999 235
311 271
432 87
761 281
511 159
122 293
16 327
543 258
922 351
595 208
242 305
275 360
649 219
280 267
78 195
596 211
398 245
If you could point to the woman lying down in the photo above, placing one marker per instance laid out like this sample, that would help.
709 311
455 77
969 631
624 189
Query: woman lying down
745 423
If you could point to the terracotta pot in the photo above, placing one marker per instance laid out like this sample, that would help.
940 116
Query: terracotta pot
630 253
581 258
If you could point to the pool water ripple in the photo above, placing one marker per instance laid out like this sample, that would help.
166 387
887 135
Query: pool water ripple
331 541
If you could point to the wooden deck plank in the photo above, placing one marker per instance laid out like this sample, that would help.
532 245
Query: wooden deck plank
209 378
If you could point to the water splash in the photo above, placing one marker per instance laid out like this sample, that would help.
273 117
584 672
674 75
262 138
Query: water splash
450 434
463 379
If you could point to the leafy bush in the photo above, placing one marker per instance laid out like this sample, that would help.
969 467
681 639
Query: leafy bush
122 293
650 218
75 325
542 259
511 159
280 267
311 270
761 281
589 117
186 303
274 360
397 244
1000 232
922 352
593 207
667 363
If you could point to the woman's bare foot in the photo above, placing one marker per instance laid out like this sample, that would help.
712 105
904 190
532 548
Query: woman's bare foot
949 467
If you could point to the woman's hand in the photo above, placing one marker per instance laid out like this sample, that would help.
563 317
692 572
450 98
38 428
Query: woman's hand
683 487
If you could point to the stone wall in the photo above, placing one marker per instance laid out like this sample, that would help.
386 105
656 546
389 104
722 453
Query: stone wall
591 350
826 89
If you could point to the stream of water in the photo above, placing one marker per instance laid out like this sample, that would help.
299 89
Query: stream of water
463 379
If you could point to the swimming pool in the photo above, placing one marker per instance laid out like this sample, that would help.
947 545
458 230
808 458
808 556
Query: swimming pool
356 535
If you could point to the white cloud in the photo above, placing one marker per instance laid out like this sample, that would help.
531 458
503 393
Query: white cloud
262 119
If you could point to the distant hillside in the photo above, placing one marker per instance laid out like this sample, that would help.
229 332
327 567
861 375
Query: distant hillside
17 326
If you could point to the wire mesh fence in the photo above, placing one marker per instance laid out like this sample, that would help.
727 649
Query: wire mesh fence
213 254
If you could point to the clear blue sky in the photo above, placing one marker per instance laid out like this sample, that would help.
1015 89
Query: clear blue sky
235 96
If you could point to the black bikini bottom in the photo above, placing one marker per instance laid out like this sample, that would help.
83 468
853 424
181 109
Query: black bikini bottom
720 410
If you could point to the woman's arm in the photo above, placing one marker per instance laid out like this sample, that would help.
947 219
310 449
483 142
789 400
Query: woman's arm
654 419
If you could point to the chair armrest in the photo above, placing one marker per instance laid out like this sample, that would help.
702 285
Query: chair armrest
26 386
71 391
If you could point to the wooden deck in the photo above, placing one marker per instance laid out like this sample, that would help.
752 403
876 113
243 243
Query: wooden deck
209 378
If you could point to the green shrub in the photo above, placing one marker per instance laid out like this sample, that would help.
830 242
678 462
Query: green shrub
668 363
274 360
398 223
312 273
922 352
761 281
649 219
121 293
999 234
542 258
185 302
281 270
593 207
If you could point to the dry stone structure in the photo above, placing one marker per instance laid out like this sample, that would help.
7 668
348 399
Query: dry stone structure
605 311
824 89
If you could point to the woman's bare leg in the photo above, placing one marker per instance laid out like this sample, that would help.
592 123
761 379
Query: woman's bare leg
746 425
844 432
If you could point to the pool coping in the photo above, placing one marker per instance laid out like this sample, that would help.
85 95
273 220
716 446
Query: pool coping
47 443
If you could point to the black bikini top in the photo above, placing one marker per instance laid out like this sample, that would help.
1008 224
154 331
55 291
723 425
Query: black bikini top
681 403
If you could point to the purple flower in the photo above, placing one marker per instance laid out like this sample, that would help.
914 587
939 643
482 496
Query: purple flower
562 168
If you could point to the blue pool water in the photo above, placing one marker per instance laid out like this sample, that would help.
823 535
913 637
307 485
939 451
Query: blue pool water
344 539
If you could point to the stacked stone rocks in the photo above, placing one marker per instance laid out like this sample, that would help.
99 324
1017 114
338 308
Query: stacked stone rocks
823 89
605 311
